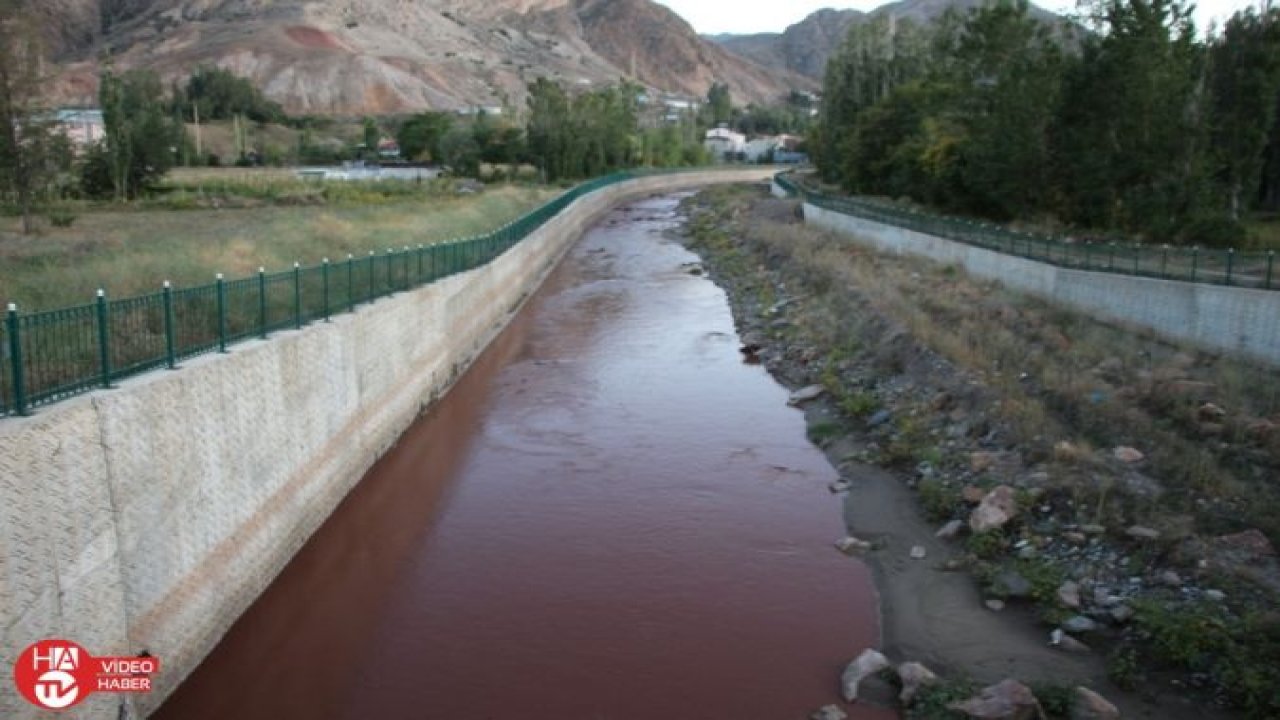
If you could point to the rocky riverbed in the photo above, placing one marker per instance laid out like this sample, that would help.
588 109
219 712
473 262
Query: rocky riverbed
1046 500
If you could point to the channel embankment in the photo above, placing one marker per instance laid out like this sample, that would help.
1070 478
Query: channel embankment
146 518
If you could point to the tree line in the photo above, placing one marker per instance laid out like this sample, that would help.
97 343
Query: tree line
1128 122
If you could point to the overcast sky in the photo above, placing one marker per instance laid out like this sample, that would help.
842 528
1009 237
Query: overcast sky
752 16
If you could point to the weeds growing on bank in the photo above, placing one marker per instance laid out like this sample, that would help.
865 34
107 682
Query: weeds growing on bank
130 252
1061 390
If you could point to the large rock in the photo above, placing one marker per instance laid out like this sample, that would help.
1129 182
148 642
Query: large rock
1007 700
868 663
1079 624
828 712
1089 705
1069 594
914 676
805 394
850 545
997 508
1128 455
950 530
1012 584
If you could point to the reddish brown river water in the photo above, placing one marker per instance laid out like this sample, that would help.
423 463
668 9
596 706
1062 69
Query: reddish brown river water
609 517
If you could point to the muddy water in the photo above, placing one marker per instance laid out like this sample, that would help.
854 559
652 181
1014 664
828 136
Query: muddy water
611 516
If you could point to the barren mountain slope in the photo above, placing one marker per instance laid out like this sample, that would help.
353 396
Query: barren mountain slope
387 56
805 46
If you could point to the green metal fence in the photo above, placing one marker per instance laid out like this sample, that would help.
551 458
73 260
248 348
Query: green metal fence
51 355
1192 264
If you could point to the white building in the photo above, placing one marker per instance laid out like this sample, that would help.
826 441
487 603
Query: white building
82 127
724 143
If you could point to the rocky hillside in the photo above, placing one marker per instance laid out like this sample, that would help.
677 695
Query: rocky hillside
804 47
387 56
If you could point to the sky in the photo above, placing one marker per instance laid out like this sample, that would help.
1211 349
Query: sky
752 16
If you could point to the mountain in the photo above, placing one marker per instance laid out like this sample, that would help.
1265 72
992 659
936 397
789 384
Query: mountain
804 47
388 56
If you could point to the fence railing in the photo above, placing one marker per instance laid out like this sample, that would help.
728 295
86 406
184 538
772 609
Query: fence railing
1252 269
51 355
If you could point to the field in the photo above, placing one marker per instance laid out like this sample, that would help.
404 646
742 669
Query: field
233 222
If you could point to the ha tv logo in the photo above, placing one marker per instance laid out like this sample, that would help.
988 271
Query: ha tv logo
57 674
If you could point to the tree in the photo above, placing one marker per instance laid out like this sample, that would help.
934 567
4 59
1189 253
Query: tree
548 128
419 136
141 138
372 136
1132 130
1244 81
459 151
212 93
1006 75
27 137
719 104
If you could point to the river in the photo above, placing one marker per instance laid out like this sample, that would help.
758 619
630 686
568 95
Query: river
611 515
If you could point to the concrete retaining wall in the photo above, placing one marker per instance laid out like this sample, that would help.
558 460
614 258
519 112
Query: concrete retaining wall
150 516
1234 320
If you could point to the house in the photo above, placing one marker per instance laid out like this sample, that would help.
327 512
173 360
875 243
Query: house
82 126
761 149
388 149
724 143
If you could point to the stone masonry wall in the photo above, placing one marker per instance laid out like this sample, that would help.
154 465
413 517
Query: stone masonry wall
148 517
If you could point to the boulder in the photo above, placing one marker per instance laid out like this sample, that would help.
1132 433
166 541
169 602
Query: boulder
1012 584
1089 705
1210 413
1138 532
869 662
1069 594
850 545
1128 455
1007 700
918 552
828 712
997 508
1066 643
950 530
1250 543
913 676
805 394
972 494
1079 624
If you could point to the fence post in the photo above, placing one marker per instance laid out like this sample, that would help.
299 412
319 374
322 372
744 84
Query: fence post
297 295
1271 260
371 274
222 313
419 276
351 283
324 292
391 271
15 357
1195 261
169 354
1088 255
262 303
407 284
104 338
1136 250
1231 257
1111 256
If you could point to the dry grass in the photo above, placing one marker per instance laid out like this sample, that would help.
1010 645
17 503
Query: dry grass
1051 376
129 252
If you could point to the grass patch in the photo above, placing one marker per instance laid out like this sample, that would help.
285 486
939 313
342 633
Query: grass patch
130 251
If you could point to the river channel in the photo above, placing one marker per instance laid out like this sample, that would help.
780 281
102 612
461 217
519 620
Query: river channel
611 515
